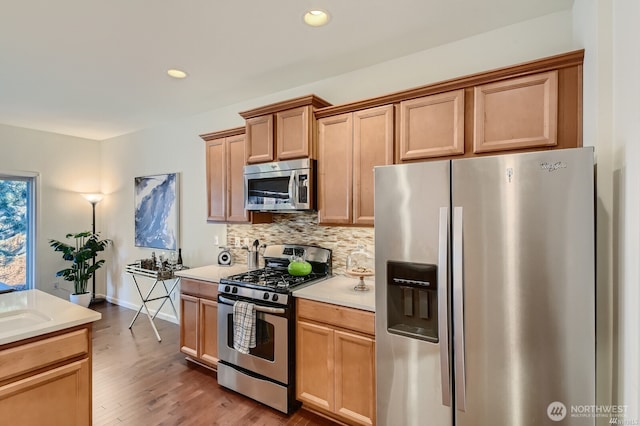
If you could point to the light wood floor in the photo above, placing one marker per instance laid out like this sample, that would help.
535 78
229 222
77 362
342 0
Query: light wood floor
140 381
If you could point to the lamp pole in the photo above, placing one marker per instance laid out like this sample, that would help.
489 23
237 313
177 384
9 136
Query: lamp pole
94 199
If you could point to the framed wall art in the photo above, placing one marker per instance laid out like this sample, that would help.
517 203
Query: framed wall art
157 206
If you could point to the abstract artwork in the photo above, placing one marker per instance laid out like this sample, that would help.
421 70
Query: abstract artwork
156 211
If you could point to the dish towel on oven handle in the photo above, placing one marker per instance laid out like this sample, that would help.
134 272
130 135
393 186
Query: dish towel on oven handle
244 326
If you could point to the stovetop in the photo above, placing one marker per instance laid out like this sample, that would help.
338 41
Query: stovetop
271 279
273 283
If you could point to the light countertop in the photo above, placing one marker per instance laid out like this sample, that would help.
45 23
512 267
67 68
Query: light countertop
338 290
31 313
211 273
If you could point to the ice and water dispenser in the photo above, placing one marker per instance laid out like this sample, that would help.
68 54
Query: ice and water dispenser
412 300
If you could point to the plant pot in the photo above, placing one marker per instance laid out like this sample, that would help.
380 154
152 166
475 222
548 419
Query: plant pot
81 299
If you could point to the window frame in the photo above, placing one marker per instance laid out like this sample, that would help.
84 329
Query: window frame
33 180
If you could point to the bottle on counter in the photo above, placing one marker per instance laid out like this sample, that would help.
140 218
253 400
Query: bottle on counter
179 261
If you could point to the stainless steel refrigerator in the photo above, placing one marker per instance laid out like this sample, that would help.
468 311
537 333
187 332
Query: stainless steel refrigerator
485 290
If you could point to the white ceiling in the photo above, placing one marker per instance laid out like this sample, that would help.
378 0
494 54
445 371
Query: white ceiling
97 69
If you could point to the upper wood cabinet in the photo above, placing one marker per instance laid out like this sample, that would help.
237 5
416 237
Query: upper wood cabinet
432 126
259 143
524 107
282 131
235 179
372 146
294 133
335 169
349 147
216 157
516 113
225 157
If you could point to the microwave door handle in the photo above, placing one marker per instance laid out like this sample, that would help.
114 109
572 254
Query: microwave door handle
293 187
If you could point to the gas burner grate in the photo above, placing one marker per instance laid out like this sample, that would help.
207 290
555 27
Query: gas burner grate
270 277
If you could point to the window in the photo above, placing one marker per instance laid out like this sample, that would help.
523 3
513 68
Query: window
17 226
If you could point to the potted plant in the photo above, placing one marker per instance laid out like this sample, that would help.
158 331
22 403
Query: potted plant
81 255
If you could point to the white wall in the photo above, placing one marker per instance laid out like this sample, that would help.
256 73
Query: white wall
608 30
626 178
67 166
176 147
626 140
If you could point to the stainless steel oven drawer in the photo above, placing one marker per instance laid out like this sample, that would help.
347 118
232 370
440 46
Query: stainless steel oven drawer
269 393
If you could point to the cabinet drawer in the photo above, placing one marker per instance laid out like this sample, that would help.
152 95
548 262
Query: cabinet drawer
203 289
42 353
340 316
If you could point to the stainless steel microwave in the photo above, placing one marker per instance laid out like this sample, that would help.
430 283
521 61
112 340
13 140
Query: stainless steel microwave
280 186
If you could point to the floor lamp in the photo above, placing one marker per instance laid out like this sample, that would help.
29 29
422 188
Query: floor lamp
94 199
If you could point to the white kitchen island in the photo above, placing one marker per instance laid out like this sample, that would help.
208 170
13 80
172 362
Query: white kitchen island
45 359
32 313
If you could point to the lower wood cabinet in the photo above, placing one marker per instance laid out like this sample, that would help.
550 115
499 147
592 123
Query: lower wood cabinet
199 321
335 361
47 380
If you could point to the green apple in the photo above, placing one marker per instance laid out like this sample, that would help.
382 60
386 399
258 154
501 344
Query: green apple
298 268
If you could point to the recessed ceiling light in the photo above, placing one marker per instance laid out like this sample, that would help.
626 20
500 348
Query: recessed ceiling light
316 18
175 73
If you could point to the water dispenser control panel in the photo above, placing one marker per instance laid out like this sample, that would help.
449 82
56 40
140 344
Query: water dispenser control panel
412 300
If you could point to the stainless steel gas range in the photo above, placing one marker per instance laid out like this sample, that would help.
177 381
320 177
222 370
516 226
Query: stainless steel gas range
267 372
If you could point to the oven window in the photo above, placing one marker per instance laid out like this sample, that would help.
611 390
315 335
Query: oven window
269 190
265 337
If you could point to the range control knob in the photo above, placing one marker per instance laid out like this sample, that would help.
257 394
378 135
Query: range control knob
234 290
275 298
227 289
266 296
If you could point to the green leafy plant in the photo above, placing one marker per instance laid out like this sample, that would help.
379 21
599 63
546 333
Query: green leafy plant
87 246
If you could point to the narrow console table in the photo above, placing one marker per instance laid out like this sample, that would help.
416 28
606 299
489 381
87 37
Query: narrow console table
159 277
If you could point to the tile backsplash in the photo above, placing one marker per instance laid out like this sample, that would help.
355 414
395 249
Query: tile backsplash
302 228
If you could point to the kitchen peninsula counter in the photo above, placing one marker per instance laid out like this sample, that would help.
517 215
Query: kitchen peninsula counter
32 313
338 290
45 350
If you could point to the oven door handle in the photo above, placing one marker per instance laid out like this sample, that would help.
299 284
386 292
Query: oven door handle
258 308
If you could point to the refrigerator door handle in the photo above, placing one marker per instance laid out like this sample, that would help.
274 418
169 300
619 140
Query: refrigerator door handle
458 310
443 304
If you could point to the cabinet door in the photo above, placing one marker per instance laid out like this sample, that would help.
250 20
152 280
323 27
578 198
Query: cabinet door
355 377
216 180
61 396
516 113
235 179
259 139
208 331
372 146
432 126
293 133
189 322
335 166
315 365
